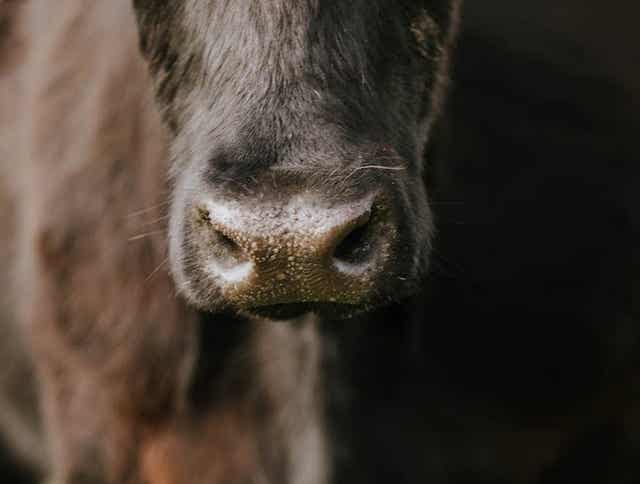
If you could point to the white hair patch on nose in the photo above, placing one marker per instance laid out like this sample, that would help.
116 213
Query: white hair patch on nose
305 214
352 269
221 212
235 274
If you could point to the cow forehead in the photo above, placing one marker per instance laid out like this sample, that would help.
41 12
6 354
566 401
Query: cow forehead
277 68
285 38
304 51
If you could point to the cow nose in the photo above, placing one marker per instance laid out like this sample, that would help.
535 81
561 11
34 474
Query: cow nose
295 252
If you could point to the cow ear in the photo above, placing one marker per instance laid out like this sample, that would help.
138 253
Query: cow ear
426 31
435 23
444 13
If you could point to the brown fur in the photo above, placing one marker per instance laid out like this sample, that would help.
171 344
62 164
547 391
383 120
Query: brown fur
114 346
19 420
106 325
263 427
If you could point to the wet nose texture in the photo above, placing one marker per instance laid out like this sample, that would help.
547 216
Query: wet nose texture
294 252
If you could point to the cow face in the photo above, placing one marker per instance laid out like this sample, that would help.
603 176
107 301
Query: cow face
298 132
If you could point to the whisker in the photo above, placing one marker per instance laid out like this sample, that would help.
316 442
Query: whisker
149 209
374 167
380 167
145 235
159 219
155 271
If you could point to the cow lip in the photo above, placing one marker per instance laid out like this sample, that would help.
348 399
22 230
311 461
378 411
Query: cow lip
290 311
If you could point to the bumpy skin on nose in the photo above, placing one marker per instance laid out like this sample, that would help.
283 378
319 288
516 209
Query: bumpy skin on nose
293 251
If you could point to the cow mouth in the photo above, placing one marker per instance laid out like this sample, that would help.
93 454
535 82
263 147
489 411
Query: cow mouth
295 310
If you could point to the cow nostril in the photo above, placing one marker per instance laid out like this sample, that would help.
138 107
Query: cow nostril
228 245
224 244
357 245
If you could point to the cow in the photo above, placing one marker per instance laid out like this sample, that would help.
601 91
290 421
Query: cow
213 251
272 156
298 87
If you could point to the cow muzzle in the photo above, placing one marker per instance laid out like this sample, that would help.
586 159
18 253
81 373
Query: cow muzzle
283 257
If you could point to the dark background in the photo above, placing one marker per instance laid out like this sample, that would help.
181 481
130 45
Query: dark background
538 201
524 362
